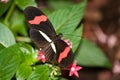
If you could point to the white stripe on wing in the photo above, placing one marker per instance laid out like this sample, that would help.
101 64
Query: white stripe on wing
49 40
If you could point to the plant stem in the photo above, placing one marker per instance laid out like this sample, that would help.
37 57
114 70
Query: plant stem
9 14
23 39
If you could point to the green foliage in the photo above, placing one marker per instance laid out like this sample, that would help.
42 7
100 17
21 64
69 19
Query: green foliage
18 25
75 38
1 47
22 4
66 21
9 62
6 36
28 54
4 7
89 54
40 72
12 59
59 3
23 71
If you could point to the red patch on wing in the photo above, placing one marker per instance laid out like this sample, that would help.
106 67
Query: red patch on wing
63 54
38 19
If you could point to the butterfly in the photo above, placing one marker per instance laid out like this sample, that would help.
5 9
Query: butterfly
55 49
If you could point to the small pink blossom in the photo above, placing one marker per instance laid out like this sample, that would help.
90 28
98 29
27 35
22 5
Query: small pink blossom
41 56
101 36
68 43
74 69
116 68
112 39
5 1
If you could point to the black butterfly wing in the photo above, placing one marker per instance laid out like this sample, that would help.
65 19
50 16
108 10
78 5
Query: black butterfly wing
58 57
62 50
39 22
38 39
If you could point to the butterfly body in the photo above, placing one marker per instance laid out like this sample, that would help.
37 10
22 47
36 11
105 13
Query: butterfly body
55 49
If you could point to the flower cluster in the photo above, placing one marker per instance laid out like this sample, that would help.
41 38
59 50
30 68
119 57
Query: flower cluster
41 56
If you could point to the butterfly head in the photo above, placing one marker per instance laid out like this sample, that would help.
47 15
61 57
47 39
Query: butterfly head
60 35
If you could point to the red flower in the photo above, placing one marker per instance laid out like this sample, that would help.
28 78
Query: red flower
41 56
74 69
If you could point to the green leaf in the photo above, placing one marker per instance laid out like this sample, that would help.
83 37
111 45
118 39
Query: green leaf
4 7
9 62
90 55
22 4
40 73
1 47
59 4
66 20
75 37
28 55
23 72
18 25
6 36
10 59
